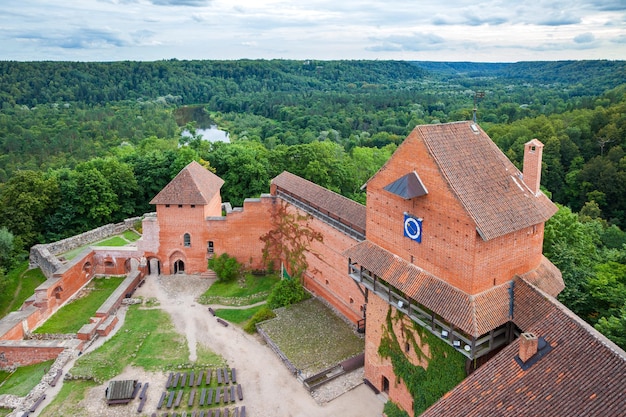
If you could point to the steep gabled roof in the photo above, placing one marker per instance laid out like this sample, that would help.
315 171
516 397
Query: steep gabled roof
484 181
194 184
583 374
328 202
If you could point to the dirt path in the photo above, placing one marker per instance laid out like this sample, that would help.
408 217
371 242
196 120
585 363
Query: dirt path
270 390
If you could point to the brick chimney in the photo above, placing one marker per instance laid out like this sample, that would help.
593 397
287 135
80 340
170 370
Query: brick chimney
533 151
528 343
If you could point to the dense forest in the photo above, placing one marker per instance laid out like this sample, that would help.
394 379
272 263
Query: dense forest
85 144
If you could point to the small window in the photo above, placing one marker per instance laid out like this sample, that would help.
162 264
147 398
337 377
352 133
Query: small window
351 300
407 347
167 205
180 206
187 240
209 246
326 282
193 206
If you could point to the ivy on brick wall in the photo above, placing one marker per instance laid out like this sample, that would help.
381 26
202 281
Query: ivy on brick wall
446 366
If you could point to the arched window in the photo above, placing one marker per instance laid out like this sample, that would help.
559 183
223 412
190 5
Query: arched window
187 240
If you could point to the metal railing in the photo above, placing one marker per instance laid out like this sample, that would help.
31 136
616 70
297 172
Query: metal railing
469 346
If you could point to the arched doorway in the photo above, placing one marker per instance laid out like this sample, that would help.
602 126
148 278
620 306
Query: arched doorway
179 267
154 266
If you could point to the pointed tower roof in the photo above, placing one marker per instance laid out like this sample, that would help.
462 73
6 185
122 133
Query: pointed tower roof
194 184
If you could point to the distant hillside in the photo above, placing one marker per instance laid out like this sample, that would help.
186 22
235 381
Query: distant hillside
597 75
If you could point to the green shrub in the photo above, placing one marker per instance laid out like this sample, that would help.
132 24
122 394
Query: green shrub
392 410
226 267
263 314
287 292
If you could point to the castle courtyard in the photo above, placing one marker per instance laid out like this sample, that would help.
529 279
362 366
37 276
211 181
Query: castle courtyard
269 388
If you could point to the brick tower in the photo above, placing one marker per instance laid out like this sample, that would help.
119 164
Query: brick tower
450 223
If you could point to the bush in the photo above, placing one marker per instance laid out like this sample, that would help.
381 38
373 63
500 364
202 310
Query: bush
392 410
227 268
287 292
263 314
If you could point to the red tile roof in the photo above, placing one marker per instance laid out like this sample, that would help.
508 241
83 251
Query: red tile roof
583 375
487 184
475 315
193 185
328 202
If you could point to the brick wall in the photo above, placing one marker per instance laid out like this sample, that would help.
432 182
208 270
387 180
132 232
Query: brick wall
327 274
237 234
450 248
377 368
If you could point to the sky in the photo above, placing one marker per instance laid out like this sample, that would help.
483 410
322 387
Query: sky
416 30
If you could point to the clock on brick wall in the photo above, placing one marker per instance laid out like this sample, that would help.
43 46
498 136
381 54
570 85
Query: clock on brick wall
413 227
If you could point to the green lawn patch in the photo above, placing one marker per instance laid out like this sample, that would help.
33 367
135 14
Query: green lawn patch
312 336
113 241
66 403
237 316
251 289
5 412
147 339
25 378
71 317
131 236
20 284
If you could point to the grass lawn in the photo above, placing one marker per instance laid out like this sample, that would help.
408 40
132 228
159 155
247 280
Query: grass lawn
65 404
20 284
237 316
24 379
113 241
312 336
71 317
5 411
130 236
123 240
148 340
250 290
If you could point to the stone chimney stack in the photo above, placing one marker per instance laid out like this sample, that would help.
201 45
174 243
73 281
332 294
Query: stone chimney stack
533 151
528 344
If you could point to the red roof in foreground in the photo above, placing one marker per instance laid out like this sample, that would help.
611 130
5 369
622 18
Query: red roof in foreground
583 375
194 184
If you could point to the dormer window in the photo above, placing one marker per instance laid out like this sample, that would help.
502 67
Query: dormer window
187 240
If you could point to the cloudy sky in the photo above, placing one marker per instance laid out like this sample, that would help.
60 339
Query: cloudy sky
437 30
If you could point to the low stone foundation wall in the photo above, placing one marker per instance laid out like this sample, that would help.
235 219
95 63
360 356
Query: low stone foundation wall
44 256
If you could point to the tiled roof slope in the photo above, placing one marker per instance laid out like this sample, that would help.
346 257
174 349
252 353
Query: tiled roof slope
329 202
475 315
194 184
582 376
483 179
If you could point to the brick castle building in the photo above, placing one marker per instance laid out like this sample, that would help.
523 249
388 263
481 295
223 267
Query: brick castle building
451 237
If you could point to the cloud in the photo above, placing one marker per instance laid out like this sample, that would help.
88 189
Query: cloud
608 5
619 39
585 38
416 42
78 39
559 18
189 3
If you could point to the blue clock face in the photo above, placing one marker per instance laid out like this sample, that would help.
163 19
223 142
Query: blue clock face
413 228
